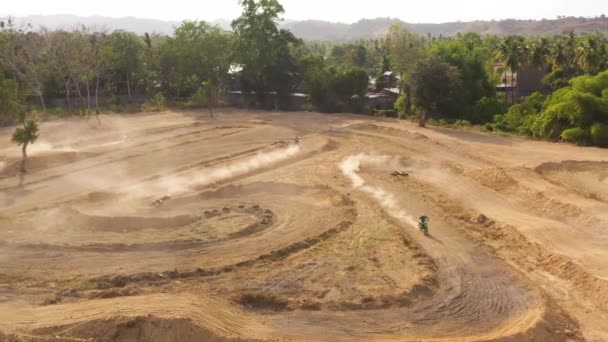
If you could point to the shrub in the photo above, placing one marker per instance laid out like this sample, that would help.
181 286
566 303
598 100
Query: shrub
262 301
599 135
197 99
462 123
400 106
308 107
338 90
443 122
520 117
488 127
156 104
486 108
576 135
386 113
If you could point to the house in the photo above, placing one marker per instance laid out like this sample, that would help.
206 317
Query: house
507 79
371 85
390 79
384 99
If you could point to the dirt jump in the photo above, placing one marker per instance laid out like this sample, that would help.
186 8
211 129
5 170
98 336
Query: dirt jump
180 227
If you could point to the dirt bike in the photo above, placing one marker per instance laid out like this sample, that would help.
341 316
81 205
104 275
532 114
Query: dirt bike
423 225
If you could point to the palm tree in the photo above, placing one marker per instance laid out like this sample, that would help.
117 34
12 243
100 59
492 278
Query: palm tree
571 44
540 53
511 52
559 54
603 52
589 54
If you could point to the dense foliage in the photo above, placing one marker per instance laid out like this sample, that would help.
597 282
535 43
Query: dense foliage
576 113
451 79
434 84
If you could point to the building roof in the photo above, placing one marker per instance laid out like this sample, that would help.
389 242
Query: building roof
393 90
235 69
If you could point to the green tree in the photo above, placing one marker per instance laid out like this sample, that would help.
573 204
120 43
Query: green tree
589 54
332 89
21 51
512 53
9 97
264 50
405 49
198 53
572 112
539 53
25 135
559 54
126 59
433 83
473 60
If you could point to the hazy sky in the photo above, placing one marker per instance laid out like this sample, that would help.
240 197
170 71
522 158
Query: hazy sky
430 11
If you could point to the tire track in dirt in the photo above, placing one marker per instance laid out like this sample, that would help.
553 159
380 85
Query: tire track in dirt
191 318
99 225
129 156
470 293
473 289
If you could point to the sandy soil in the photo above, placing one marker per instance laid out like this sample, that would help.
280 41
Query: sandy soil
178 227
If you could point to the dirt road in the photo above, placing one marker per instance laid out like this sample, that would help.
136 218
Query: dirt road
177 227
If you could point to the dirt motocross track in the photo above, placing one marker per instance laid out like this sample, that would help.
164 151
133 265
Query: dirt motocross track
178 227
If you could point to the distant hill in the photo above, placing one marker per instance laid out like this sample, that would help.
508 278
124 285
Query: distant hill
131 24
376 28
521 27
323 30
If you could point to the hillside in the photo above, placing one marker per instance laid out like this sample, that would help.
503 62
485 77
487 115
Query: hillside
375 28
323 30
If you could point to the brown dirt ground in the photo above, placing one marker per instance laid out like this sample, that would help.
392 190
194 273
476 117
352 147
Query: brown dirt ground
178 227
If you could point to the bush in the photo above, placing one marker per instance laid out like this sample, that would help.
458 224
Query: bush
308 107
520 117
463 123
386 113
575 135
262 301
400 106
488 127
486 108
156 104
198 99
338 90
599 135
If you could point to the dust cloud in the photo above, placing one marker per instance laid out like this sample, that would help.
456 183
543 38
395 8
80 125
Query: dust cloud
43 146
350 168
181 183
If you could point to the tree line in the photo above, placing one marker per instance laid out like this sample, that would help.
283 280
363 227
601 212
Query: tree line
453 80
446 79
